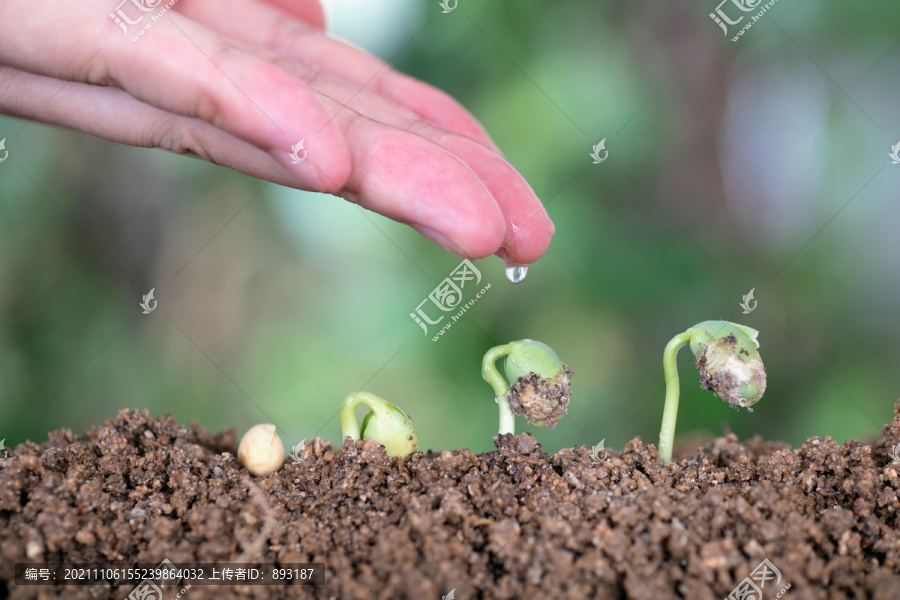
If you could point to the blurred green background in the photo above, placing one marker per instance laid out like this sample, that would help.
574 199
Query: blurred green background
758 164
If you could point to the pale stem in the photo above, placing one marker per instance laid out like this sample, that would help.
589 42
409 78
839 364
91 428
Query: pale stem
670 411
349 425
500 385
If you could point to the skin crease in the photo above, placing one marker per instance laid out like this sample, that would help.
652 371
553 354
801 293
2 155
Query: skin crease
239 82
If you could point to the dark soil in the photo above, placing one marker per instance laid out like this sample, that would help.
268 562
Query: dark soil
513 523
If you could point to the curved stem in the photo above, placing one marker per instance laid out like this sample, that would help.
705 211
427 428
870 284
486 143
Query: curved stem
670 411
349 425
500 385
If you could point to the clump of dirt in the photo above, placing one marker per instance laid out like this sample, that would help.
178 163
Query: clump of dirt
511 523
542 401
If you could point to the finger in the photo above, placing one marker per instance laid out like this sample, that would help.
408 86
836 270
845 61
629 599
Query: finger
111 114
528 227
266 26
183 68
397 173
410 179
256 14
308 11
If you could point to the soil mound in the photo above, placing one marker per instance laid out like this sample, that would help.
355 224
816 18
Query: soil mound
512 523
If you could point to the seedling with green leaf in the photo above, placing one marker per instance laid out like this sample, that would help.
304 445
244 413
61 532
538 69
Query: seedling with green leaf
729 365
536 384
385 424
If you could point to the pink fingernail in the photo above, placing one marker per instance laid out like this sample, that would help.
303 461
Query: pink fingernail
303 168
439 238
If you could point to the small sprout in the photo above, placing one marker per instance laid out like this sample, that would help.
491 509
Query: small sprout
386 424
540 383
261 450
729 366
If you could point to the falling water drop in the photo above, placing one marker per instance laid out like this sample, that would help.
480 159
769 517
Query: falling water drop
516 273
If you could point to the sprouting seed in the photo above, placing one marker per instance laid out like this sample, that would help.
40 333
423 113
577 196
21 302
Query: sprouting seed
536 384
729 365
385 424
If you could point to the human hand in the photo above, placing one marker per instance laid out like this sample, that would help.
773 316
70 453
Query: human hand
239 82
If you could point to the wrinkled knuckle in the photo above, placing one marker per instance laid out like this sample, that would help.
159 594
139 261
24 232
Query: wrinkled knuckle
207 106
206 102
97 71
172 134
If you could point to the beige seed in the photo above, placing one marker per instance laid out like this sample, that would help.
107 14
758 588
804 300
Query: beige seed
261 450
34 550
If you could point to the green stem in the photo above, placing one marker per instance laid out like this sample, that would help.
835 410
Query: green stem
670 412
349 425
500 385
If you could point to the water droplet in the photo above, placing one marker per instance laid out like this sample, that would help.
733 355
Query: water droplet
516 273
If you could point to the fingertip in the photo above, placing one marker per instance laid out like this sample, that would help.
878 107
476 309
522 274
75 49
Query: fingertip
473 230
529 243
409 179
440 239
322 161
331 157
328 178
474 240
309 141
528 228
481 238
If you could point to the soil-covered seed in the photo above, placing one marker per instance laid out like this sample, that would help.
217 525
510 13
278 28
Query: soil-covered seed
542 401
511 523
723 370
